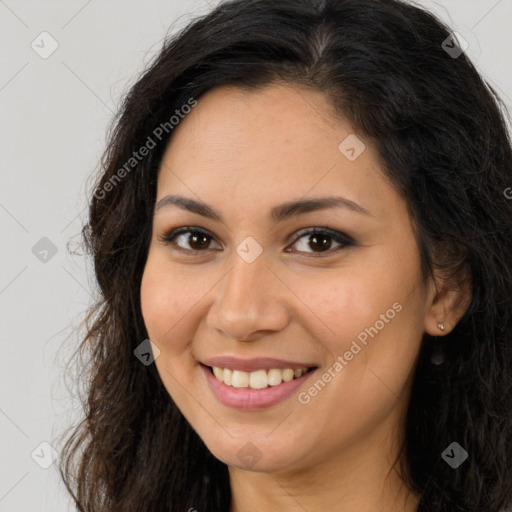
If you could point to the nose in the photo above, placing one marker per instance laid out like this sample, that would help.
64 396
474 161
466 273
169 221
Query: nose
249 302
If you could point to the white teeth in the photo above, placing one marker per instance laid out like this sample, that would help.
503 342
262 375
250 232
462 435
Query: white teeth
227 374
275 377
288 375
258 379
239 379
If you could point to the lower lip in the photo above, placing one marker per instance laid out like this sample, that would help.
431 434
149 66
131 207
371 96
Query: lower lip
251 399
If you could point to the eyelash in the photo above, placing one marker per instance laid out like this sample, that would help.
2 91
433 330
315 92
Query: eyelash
337 236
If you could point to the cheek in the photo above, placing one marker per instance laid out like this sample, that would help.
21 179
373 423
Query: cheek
379 325
165 300
351 299
372 313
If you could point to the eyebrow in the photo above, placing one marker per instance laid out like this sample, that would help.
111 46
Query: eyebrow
277 214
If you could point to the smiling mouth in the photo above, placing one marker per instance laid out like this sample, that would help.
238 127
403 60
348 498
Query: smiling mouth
259 379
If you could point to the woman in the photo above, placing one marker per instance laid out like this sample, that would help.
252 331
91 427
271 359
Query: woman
303 206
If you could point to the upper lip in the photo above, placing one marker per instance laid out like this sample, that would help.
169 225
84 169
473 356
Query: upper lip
251 365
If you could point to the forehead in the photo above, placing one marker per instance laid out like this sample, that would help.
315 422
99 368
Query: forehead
254 148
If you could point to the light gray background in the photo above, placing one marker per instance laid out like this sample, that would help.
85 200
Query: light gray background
54 113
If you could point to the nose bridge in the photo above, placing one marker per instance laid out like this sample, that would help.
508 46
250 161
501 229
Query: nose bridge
245 280
247 299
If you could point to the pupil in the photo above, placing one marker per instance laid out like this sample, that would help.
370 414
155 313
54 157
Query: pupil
196 237
324 238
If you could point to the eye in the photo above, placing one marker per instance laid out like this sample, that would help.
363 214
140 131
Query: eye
196 239
320 240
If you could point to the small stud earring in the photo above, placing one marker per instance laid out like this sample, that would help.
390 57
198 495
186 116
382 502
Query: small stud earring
440 325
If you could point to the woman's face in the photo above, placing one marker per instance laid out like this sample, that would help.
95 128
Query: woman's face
255 284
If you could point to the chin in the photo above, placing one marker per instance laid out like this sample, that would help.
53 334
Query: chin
265 454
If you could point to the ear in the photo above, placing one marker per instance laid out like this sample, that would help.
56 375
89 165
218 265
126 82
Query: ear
447 301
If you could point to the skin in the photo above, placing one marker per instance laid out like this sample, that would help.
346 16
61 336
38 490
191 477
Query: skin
243 153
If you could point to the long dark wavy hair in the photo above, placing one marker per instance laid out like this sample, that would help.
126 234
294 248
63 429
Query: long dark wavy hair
441 132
